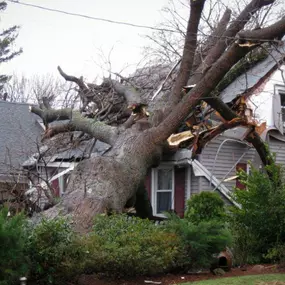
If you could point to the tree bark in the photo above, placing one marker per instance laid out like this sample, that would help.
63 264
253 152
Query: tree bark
196 8
106 184
97 129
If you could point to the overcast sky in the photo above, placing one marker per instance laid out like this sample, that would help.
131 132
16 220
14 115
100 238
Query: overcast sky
50 39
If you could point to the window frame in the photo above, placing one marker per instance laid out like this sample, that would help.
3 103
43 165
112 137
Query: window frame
154 190
280 90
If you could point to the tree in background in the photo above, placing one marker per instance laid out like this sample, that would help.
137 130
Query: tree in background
7 39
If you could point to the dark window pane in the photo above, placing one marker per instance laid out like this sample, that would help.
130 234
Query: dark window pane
164 200
282 99
164 179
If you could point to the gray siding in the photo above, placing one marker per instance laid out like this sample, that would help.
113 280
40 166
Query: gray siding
194 183
277 147
220 163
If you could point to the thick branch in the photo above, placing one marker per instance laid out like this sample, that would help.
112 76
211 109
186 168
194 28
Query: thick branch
274 31
203 91
99 130
211 134
260 147
189 49
52 131
228 37
211 41
252 137
74 79
130 94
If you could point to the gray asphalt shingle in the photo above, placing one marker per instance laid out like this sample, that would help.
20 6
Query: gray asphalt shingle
19 135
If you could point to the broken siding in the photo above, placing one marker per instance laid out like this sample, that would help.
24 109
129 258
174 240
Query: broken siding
220 155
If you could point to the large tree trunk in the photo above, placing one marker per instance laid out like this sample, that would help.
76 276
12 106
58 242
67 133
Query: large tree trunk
107 184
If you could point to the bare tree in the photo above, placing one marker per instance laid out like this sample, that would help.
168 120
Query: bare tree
41 89
108 183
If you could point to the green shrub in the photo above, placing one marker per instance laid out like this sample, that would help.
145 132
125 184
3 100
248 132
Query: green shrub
201 242
13 263
205 206
259 225
55 252
120 246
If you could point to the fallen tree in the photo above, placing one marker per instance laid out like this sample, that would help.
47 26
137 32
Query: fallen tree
114 112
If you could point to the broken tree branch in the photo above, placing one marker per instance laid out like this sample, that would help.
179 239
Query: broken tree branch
74 79
202 91
97 129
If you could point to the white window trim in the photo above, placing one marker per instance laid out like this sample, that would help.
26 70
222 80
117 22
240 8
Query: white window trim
154 190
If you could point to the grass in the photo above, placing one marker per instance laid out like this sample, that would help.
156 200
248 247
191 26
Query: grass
267 279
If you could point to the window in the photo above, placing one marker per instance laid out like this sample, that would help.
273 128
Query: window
162 189
282 100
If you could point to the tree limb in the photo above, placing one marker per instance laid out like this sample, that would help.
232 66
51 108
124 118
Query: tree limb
52 131
74 79
274 30
129 93
204 88
212 40
97 129
196 8
228 37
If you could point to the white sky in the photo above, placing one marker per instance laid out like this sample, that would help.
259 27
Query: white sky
50 39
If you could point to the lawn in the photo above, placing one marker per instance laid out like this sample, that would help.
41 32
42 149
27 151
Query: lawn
268 279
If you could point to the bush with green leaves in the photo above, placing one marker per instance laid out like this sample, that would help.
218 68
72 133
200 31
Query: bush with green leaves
13 262
258 226
55 252
122 246
205 206
201 241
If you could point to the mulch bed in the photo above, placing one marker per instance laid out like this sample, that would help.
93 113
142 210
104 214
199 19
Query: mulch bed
168 279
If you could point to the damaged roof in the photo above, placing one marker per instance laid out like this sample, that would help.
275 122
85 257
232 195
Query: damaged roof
249 79
68 147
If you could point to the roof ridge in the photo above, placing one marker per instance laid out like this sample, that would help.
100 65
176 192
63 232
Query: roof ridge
16 103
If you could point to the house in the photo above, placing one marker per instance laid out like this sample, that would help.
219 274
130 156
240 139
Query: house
178 177
20 135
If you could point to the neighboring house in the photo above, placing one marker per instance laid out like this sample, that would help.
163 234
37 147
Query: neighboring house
20 135
178 177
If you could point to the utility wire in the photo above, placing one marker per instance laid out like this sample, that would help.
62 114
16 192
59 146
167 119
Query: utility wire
91 17
127 23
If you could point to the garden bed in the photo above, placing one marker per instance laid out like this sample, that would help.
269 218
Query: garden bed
168 279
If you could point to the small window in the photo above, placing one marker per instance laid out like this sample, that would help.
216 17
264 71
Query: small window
162 190
282 100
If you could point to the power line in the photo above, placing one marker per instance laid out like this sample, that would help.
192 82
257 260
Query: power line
127 23
91 17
